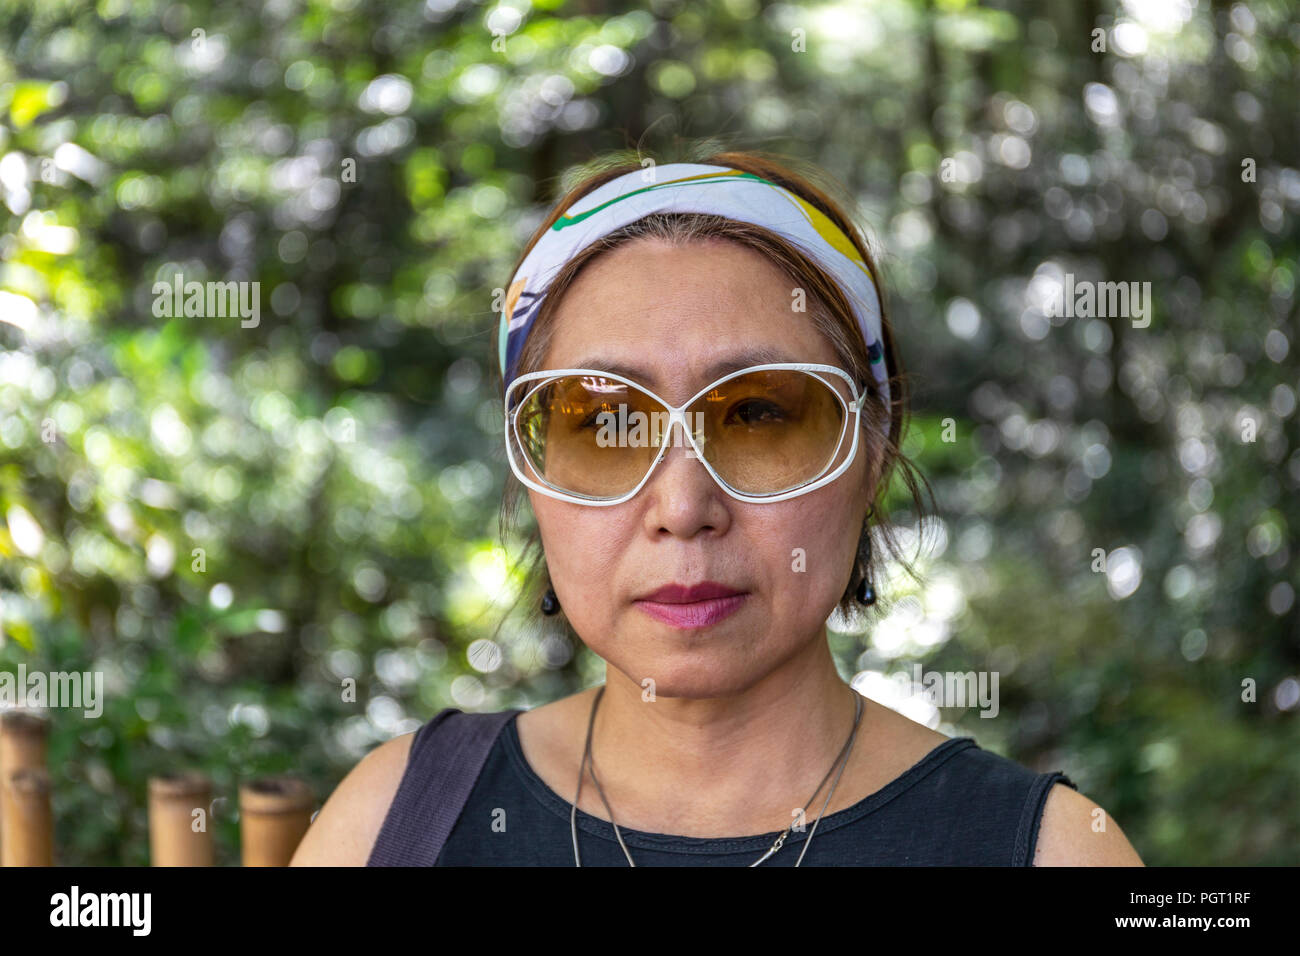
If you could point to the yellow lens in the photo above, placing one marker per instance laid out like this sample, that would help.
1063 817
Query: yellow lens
769 431
589 435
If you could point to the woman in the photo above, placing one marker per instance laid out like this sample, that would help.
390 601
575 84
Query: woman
704 403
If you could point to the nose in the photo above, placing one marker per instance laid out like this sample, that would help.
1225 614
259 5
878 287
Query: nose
682 497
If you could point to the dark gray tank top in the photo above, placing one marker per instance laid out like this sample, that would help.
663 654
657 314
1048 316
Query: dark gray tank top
959 805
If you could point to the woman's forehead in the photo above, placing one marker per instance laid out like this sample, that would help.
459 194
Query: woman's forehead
711 275
657 314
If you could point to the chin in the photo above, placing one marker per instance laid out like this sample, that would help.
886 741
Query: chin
694 672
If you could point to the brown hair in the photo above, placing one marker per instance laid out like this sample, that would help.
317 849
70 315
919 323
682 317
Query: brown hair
828 309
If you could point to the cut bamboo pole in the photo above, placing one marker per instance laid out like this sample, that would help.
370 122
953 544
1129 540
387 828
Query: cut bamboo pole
23 740
179 828
23 735
28 822
274 813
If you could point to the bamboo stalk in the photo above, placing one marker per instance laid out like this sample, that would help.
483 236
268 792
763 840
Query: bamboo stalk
274 813
179 827
23 735
23 741
28 822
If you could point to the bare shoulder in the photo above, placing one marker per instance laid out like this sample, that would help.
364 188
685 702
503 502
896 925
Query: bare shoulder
902 740
550 730
344 831
904 732
887 746
1076 832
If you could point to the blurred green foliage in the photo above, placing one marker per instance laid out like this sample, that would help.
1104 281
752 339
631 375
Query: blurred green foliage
232 522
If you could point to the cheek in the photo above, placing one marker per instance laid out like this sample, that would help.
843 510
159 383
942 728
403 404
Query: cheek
584 554
811 557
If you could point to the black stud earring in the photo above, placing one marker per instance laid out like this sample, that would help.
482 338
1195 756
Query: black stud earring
866 593
550 603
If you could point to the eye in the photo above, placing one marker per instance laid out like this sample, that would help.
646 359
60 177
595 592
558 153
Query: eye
591 420
754 411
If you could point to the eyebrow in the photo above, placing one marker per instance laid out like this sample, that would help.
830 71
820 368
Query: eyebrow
735 362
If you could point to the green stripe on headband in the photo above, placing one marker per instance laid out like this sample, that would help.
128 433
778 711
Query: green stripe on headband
565 221
848 249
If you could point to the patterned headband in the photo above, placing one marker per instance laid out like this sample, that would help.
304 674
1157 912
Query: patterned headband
690 187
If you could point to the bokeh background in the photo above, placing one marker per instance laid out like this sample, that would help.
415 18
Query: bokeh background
232 523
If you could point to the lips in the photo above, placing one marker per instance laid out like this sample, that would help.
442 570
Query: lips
699 605
681 594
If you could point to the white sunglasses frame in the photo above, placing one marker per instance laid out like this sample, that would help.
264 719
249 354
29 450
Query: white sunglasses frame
677 416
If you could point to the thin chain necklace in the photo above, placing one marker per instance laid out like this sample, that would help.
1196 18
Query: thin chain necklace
842 760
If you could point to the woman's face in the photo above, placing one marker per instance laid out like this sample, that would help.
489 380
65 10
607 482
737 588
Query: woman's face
672 313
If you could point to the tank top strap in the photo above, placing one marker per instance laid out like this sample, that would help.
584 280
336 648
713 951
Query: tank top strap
977 808
1032 816
446 757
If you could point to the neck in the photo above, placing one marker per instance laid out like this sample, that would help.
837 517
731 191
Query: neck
723 766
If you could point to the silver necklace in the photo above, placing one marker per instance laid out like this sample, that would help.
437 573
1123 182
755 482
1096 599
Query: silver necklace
841 760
